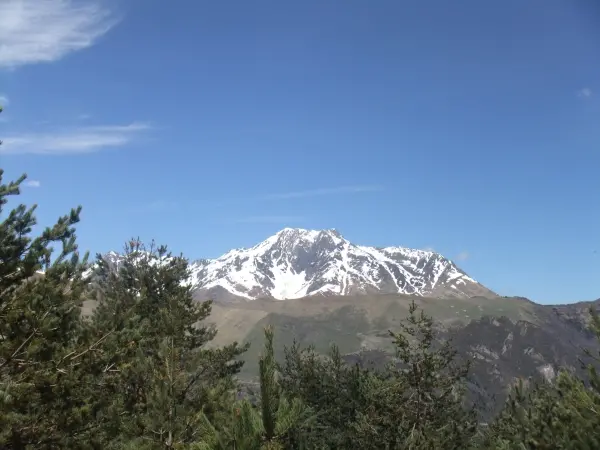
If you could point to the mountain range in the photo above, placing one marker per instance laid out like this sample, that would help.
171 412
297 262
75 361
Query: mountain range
296 263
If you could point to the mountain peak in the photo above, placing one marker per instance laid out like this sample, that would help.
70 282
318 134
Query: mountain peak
334 232
306 232
297 262
299 237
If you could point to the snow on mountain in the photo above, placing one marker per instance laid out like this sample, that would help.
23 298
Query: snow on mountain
296 263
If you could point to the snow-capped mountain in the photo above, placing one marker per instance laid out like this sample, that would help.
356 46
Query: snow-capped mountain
297 263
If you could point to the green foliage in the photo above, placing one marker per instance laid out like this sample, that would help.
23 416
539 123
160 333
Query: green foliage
417 402
277 424
284 421
44 356
332 388
159 380
562 415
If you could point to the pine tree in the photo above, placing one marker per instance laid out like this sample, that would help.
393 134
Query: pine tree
418 403
277 424
45 380
284 421
335 390
160 379
562 415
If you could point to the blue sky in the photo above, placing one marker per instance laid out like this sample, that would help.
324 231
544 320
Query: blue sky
468 127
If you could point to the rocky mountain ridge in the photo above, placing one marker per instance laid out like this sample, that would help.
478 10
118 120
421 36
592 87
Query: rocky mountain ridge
296 263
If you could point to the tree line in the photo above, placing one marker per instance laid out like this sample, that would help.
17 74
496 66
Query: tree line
138 374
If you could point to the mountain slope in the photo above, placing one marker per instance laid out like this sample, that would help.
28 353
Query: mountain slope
296 263
504 338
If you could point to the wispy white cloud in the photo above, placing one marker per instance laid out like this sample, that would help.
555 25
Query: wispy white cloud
3 100
585 92
322 192
72 141
35 31
462 256
270 219
32 183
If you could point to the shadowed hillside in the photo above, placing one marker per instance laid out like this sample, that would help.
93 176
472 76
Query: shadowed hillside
505 338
